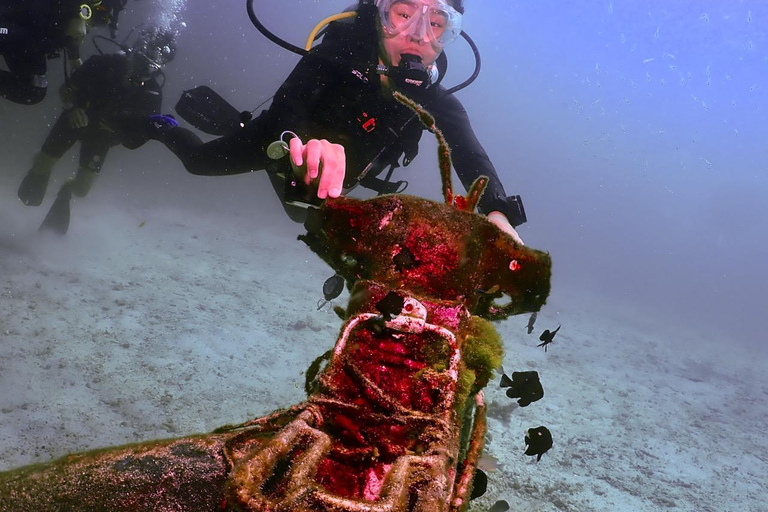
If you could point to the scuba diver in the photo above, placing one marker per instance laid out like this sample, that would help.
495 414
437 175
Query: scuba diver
107 102
32 31
338 108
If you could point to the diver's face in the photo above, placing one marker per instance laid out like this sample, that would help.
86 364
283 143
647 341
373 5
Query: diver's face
392 49
414 42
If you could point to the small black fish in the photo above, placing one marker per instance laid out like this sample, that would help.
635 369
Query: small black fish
479 484
391 305
523 385
405 260
531 321
538 441
499 506
546 337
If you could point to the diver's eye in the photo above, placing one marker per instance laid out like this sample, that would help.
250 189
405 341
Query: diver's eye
437 20
402 12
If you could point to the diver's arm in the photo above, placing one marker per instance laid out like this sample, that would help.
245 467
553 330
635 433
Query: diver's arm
469 157
471 161
317 162
239 152
76 31
244 150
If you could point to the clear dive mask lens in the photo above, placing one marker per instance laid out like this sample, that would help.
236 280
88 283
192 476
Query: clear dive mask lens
433 20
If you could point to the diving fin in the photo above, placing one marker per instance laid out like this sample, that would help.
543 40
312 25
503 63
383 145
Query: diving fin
35 182
33 187
204 109
57 220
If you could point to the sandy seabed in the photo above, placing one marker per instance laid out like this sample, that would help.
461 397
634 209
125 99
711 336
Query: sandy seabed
157 322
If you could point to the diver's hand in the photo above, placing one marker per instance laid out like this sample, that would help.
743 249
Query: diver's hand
501 222
77 118
75 63
321 163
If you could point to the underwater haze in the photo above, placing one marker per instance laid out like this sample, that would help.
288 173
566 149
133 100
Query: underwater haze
636 133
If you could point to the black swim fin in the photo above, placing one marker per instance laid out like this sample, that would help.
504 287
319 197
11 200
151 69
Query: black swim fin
57 220
204 109
32 188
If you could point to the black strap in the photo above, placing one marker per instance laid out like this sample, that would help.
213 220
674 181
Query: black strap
384 186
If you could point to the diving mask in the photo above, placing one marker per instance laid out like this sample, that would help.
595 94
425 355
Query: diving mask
432 20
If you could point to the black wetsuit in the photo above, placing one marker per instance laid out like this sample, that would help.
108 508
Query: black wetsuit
31 31
116 110
324 100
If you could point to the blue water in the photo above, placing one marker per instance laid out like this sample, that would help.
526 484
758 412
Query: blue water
637 128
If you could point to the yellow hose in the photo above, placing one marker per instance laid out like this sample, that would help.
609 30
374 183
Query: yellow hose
323 23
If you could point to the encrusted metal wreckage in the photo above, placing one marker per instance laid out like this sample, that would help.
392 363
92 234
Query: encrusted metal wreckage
396 419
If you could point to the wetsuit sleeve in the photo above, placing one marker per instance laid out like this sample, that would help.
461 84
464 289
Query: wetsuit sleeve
469 157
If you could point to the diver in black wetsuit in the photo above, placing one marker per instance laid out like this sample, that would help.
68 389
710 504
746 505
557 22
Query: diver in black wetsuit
110 97
322 101
31 31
